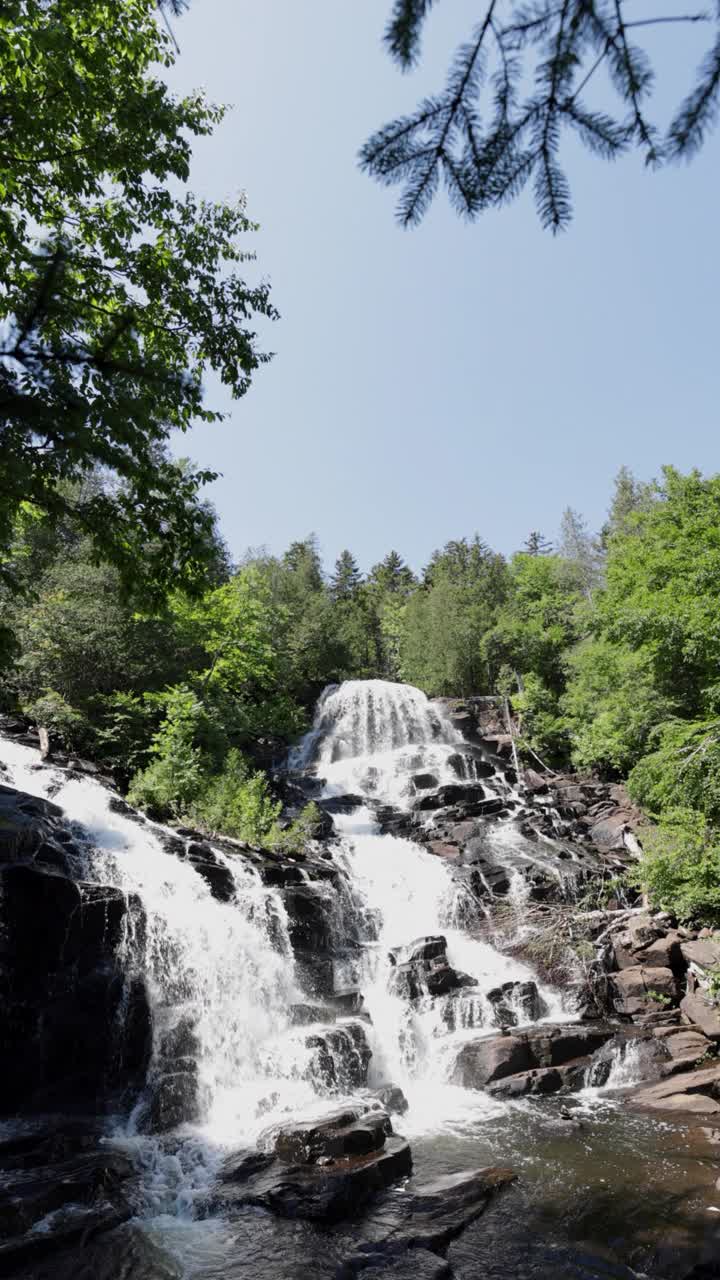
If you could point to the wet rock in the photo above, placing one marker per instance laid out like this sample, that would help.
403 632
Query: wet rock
415 1264
424 781
304 1015
641 989
46 1206
430 948
310 923
537 1083
174 1100
392 1099
516 1002
324 1193
702 1012
213 870
341 1056
425 1216
481 1062
347 1132
488 1059
534 782
72 1025
341 804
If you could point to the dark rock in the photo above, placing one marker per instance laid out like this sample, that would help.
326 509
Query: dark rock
341 804
483 1061
74 1197
174 1099
392 1099
72 1024
431 948
425 1216
341 1056
324 1193
213 870
424 781
310 923
413 1264
346 1133
516 1002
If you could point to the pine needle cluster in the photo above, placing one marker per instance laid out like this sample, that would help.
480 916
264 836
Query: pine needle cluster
512 90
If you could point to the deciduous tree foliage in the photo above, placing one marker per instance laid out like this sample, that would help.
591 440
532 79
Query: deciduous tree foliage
119 289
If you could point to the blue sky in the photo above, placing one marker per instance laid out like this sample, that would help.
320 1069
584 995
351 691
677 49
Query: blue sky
456 378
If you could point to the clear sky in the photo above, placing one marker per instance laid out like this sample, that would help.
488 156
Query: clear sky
454 379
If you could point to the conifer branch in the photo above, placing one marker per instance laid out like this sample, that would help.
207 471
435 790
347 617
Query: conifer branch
559 46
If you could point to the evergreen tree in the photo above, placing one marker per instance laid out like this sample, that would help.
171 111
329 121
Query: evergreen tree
537 545
630 496
392 575
347 577
515 88
580 550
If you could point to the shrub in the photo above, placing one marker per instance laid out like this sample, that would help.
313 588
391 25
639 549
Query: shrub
680 868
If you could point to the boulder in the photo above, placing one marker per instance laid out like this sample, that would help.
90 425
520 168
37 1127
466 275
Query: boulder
392 1099
516 1002
310 924
483 1061
338 1188
340 1056
346 1132
686 1043
701 1011
664 952
642 990
174 1100
424 781
703 952
696 1091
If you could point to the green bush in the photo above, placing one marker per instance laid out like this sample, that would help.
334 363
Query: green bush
62 720
683 772
177 776
680 868
542 726
611 706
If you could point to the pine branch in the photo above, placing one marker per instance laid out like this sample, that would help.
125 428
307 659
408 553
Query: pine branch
699 111
402 36
486 161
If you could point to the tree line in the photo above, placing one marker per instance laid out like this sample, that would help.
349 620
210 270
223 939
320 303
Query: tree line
606 644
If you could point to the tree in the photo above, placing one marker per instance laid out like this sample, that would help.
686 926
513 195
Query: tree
514 87
446 620
537 545
629 496
392 575
119 291
580 550
346 578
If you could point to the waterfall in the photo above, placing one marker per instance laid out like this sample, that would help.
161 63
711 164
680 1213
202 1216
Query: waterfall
224 983
368 739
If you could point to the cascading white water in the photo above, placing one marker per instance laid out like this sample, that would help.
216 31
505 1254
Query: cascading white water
223 968
368 738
